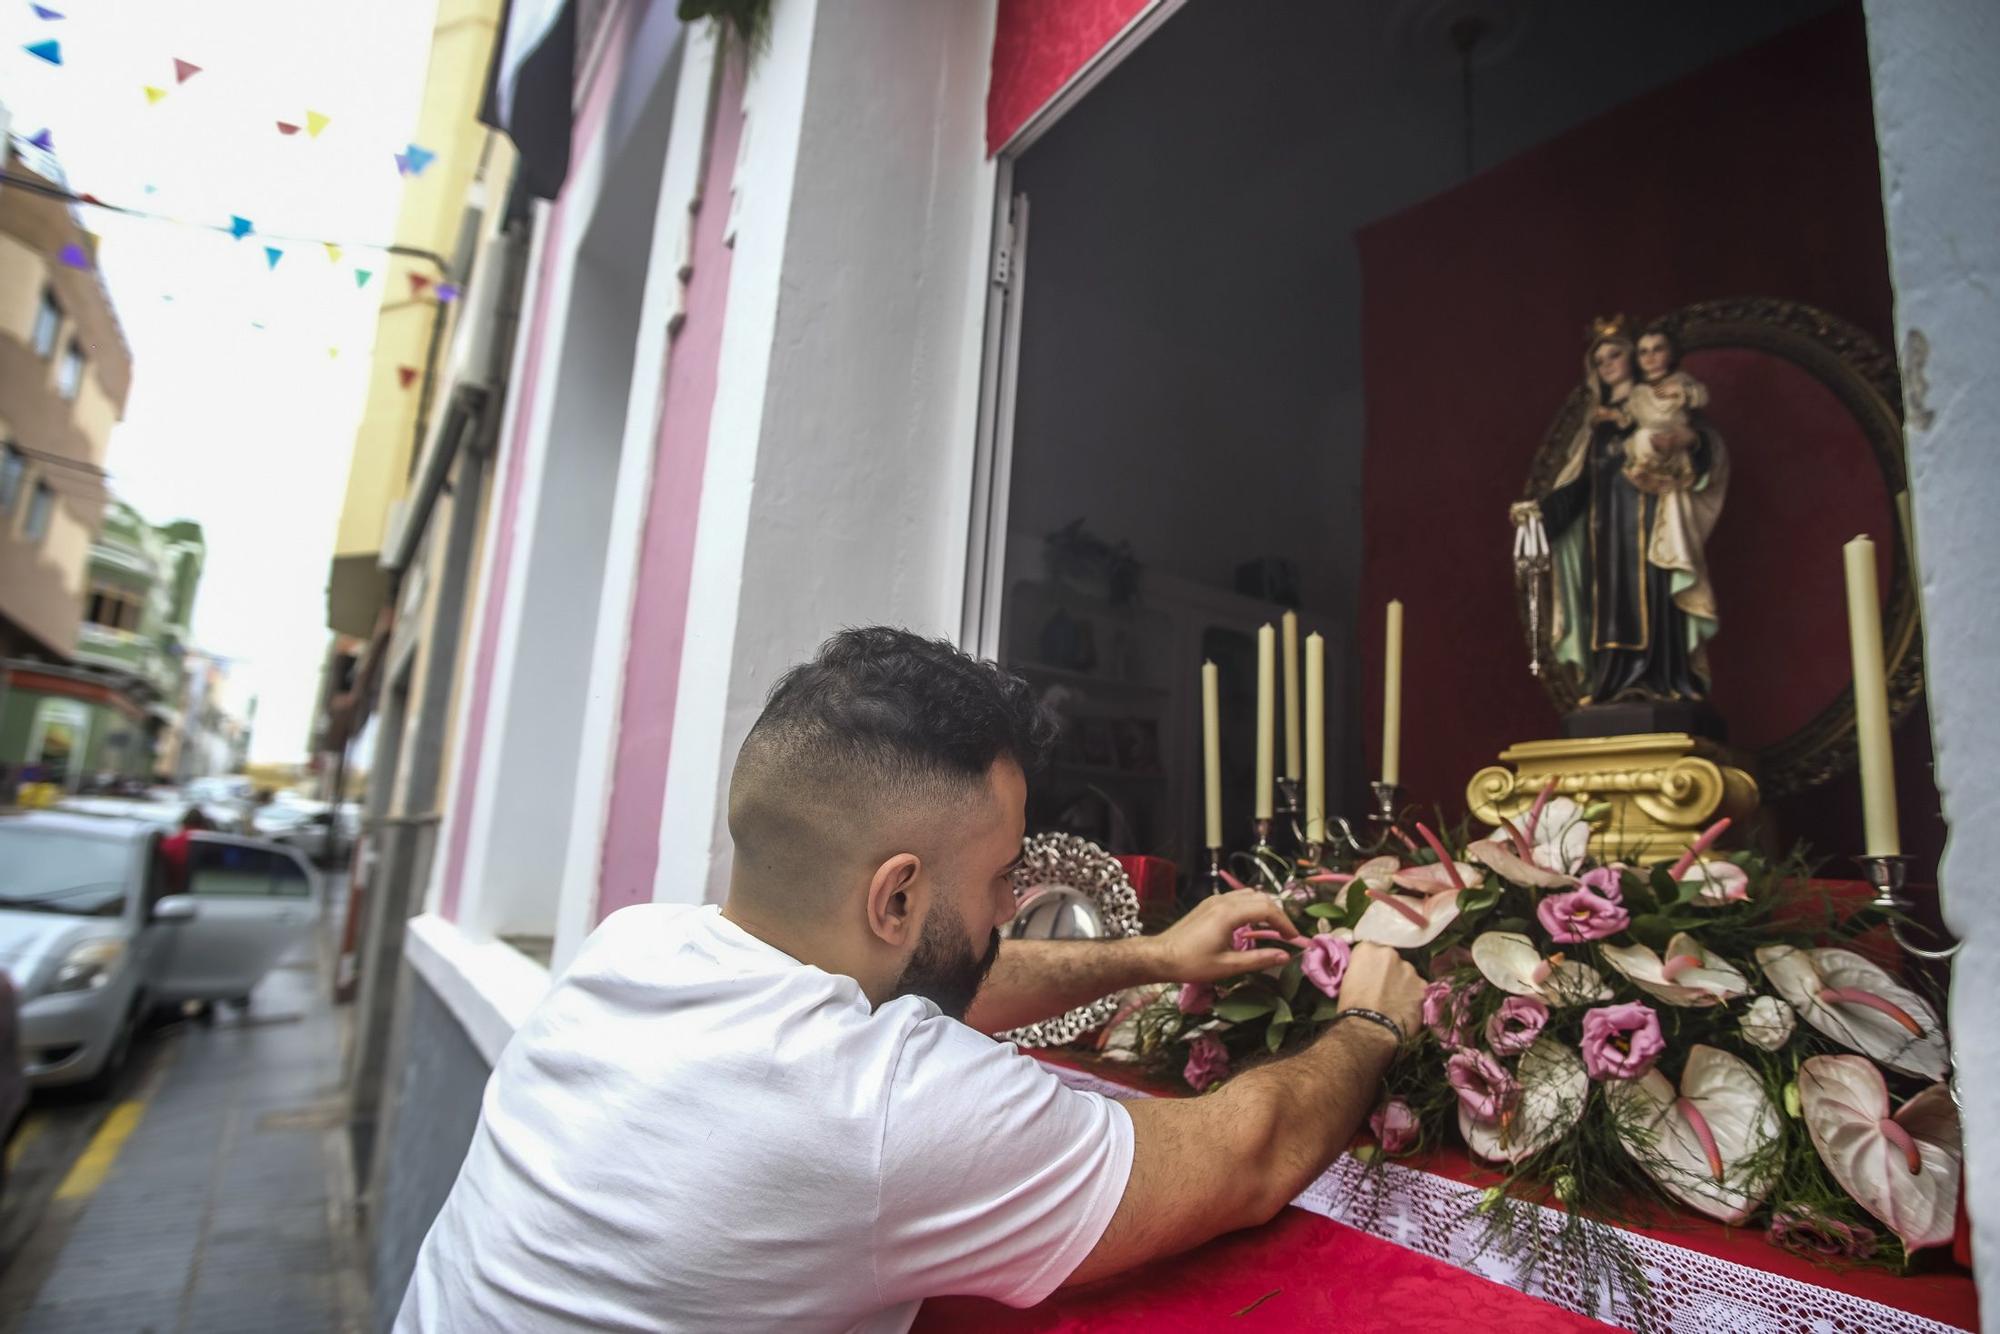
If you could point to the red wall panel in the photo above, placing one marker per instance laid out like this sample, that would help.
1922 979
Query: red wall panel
1037 46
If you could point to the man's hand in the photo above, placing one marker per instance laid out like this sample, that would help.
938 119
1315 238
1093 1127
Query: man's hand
1199 948
1380 979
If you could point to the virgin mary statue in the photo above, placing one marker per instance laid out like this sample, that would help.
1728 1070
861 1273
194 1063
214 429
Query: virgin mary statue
1638 494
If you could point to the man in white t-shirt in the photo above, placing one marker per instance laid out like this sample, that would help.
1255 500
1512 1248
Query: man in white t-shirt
784 1113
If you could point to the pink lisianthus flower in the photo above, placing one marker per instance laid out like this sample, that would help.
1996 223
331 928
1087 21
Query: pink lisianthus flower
1395 1126
1516 1024
1324 962
1812 1234
1196 997
1448 1012
1207 1062
1621 1041
1581 915
1485 1088
1605 882
1244 938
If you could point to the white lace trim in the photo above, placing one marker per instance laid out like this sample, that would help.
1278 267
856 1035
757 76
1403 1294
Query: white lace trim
1687 1291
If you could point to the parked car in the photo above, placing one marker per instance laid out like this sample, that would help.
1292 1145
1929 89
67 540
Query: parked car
309 826
13 1080
95 931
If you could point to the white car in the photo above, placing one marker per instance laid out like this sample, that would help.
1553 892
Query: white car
92 938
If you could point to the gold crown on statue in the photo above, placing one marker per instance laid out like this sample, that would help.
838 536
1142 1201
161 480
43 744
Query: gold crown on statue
1608 326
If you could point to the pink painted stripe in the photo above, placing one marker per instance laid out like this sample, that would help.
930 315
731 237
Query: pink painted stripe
666 556
588 123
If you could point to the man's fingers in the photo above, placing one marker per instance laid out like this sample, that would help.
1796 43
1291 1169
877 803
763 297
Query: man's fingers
1253 961
1254 905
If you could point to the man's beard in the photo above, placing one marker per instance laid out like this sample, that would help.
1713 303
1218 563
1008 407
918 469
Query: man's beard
943 969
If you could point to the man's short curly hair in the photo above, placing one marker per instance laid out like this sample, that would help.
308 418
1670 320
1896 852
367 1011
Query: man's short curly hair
882 704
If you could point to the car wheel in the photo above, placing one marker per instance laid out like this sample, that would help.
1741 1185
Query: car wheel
100 1084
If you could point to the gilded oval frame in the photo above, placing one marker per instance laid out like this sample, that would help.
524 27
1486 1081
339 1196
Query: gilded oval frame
1860 373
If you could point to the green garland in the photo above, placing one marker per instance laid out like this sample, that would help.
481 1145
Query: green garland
748 20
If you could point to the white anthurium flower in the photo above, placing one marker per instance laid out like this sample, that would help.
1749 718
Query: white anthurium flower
1689 974
1706 1143
1904 1169
1859 1005
1433 878
1498 855
1768 1023
1717 883
1554 1088
1375 873
1558 836
1406 921
1512 963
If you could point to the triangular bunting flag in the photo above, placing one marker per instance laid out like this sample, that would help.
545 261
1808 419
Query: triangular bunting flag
332 353
418 283
257 324
49 51
416 159
44 12
73 256
153 95
44 141
447 292
152 189
315 122
402 164
407 374
286 128
89 198
361 277
240 226
272 255
184 70
332 252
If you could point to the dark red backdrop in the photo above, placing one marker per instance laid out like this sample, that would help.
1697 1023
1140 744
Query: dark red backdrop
1757 176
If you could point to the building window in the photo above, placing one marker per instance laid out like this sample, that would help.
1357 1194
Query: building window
13 466
113 608
69 375
48 323
44 500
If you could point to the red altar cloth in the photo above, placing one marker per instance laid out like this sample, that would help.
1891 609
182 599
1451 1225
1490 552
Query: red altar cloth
1327 1275
1311 1272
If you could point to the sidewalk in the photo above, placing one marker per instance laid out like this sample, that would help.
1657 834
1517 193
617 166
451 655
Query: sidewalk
212 1199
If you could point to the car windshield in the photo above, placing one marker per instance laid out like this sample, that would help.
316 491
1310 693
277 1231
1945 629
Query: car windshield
55 870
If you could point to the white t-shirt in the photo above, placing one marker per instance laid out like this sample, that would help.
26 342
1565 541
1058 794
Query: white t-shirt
694 1131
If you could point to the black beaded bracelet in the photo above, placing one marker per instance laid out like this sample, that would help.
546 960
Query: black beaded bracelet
1373 1017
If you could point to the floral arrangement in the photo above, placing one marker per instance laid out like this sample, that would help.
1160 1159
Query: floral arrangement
1705 1033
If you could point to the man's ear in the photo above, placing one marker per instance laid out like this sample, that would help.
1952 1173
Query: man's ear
898 894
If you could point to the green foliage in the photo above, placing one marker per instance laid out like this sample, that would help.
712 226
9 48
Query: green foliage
748 21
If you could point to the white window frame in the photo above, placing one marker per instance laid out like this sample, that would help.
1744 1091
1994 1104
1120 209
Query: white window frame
48 324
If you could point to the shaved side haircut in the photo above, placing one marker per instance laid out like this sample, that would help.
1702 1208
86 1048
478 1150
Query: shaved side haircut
878 738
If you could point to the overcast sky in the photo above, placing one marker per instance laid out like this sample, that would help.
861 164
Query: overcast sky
246 430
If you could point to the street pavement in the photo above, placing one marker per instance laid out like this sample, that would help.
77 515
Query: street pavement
209 1193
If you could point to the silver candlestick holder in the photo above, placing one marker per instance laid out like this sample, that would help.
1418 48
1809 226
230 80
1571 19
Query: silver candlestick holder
1887 872
1215 885
1388 796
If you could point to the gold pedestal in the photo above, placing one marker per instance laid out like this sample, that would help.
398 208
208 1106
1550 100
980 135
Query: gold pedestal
1663 788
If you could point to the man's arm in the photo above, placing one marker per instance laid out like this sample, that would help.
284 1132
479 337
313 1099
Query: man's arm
1235 1157
1034 980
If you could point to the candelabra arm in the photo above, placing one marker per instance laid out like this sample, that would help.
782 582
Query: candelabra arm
1887 874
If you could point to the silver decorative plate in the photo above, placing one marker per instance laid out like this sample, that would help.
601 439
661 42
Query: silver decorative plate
1068 888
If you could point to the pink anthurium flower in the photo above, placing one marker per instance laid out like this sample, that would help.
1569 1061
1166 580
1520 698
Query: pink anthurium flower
1512 963
1688 975
1716 881
1552 1091
1436 878
1904 1169
1858 1005
1503 862
1706 1143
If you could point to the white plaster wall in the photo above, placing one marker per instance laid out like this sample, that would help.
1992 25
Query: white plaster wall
839 468
1937 119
